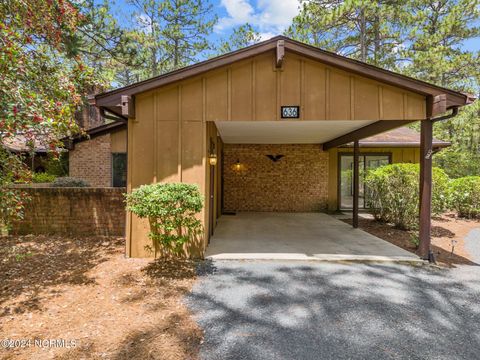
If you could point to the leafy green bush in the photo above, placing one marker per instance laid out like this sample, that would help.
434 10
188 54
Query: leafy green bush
57 166
465 195
43 178
70 182
394 193
170 210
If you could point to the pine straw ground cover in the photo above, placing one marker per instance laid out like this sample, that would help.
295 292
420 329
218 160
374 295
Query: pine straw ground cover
85 290
445 229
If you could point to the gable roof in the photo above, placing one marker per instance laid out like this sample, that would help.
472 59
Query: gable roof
400 137
111 100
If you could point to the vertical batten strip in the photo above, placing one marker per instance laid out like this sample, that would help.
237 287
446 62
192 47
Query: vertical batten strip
380 102
302 89
254 111
278 87
352 98
180 127
229 94
155 142
327 94
405 106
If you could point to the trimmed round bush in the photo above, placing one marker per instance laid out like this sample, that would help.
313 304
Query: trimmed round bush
393 194
465 195
43 178
70 182
171 210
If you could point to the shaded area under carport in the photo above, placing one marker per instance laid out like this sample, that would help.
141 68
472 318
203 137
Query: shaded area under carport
297 236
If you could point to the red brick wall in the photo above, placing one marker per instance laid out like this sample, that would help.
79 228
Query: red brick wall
91 160
73 211
297 182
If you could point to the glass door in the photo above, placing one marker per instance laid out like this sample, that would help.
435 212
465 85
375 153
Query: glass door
366 162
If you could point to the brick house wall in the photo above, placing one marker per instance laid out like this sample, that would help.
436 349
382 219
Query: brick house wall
298 182
73 211
91 160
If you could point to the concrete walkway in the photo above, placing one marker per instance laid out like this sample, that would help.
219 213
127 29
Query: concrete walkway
298 236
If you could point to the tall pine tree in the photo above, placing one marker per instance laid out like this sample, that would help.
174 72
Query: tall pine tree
242 36
366 30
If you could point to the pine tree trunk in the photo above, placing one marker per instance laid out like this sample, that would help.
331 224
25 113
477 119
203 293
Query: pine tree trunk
363 48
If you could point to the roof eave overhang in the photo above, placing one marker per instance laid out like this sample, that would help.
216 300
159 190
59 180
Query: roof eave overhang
394 145
439 99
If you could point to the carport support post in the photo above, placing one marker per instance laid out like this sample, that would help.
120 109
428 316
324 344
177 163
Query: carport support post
356 182
426 153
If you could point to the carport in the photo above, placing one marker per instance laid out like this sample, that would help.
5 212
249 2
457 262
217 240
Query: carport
297 236
258 129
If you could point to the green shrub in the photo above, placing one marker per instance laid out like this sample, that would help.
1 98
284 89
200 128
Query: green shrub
43 178
70 182
394 193
465 195
170 210
57 166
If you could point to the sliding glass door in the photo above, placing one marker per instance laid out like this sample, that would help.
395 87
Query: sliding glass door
366 162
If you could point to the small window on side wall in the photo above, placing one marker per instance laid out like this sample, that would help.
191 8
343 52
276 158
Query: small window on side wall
119 169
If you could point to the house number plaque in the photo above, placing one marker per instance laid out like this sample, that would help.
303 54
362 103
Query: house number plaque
290 112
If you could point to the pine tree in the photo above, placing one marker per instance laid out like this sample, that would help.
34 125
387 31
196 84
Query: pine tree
100 41
187 26
242 36
170 33
436 31
366 30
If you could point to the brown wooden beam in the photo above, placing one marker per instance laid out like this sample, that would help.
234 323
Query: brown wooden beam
426 152
128 106
356 182
436 105
366 131
280 53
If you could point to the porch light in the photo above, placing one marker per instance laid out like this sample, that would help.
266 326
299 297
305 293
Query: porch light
212 159
237 165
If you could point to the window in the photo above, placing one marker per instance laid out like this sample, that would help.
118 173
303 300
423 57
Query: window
366 162
119 169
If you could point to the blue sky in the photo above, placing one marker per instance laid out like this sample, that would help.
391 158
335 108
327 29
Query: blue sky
269 17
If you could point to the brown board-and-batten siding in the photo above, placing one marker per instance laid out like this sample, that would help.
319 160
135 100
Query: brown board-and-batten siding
169 139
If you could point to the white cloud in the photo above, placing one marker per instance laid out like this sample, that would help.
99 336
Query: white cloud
267 35
268 16
239 12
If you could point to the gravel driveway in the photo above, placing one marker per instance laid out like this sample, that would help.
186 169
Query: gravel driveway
309 310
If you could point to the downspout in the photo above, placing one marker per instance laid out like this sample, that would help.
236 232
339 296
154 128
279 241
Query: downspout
446 117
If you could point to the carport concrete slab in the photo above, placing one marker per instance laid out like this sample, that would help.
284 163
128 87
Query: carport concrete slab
298 236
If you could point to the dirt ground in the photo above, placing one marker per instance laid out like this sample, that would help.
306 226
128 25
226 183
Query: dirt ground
83 294
447 230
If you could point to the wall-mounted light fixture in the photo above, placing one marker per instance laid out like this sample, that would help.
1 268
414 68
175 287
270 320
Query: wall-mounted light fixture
212 157
237 165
